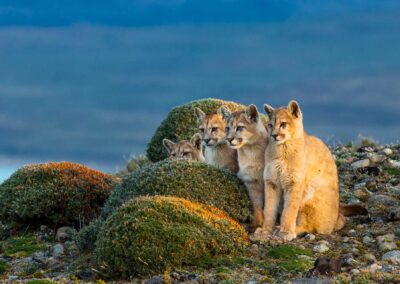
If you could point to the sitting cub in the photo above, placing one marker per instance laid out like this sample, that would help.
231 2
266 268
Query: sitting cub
301 173
187 150
246 133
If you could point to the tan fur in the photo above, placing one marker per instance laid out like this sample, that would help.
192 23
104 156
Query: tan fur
187 150
246 133
212 132
300 173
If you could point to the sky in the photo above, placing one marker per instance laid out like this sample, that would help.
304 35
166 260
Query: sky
90 81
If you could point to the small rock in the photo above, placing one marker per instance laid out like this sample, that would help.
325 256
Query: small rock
386 238
377 158
254 249
355 271
369 257
252 282
12 278
392 256
387 151
58 250
372 268
394 214
385 246
352 232
361 164
394 164
65 234
381 199
321 248
368 240
310 237
155 280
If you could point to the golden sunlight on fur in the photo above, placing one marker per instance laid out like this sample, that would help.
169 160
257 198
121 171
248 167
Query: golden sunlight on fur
212 133
300 178
246 133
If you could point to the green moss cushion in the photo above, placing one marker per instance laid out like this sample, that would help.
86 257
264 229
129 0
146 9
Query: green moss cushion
181 124
56 193
193 180
151 234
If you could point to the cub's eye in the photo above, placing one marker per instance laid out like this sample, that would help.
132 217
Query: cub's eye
173 154
227 129
239 128
202 130
283 125
270 126
186 153
214 129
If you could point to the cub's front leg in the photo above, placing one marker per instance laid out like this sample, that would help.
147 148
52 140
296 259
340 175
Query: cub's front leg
292 198
255 189
272 197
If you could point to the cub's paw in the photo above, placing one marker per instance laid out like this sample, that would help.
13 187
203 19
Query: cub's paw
260 235
286 236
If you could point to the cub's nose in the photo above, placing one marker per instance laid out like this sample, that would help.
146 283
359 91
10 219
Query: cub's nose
206 140
274 136
230 139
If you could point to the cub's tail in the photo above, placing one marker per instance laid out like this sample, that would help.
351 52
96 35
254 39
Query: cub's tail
352 210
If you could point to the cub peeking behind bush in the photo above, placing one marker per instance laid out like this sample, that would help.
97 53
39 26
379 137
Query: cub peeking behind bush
187 150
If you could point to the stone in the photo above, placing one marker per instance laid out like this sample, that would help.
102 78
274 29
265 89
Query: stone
369 257
373 268
58 250
376 159
310 237
321 248
392 256
394 163
386 238
394 214
360 164
385 246
65 234
387 151
155 280
381 199
367 240
355 271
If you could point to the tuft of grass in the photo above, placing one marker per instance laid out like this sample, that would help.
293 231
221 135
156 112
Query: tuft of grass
287 252
393 171
44 281
295 265
22 246
3 266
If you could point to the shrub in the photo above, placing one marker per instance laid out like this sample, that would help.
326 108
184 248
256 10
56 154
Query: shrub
149 235
56 193
87 236
181 124
134 163
192 180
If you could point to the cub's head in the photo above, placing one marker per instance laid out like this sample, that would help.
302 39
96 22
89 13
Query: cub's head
242 127
284 123
211 128
187 150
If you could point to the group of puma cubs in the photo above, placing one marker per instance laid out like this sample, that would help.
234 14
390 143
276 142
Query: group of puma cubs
287 172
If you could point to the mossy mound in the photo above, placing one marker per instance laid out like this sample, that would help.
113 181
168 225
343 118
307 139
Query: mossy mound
54 193
181 124
195 181
149 235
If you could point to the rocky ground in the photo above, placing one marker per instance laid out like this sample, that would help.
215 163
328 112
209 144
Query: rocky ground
367 250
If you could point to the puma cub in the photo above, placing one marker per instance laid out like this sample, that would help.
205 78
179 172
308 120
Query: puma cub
300 174
187 150
212 132
246 133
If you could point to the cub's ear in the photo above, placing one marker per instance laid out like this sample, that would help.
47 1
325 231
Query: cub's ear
200 115
224 112
294 109
196 141
252 113
168 145
269 109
